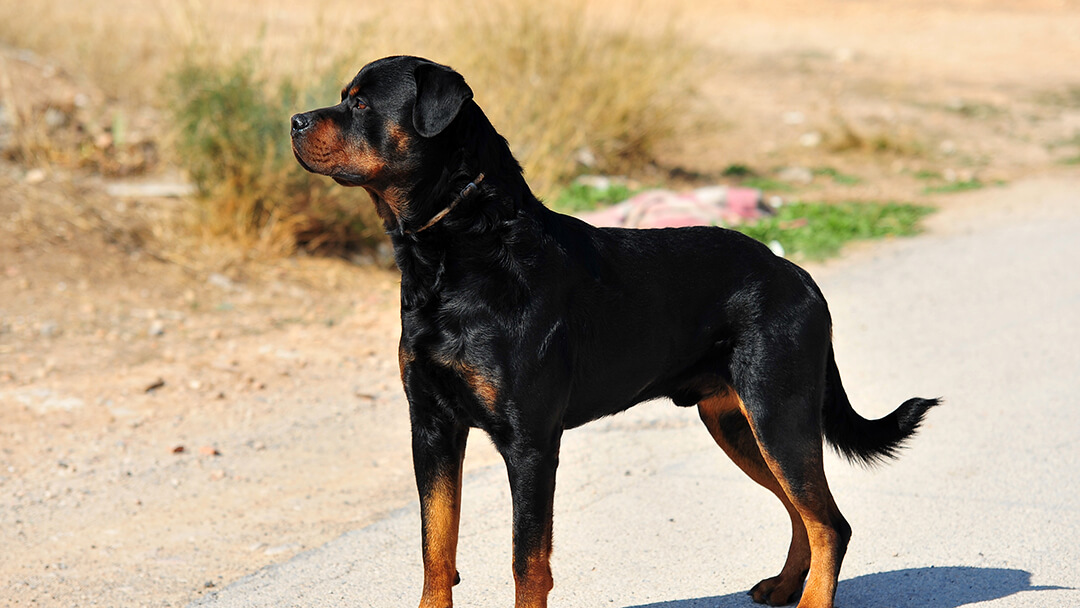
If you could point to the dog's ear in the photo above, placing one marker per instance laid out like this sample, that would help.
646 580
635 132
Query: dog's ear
440 92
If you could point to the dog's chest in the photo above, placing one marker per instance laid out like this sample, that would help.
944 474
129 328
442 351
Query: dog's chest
477 379
464 373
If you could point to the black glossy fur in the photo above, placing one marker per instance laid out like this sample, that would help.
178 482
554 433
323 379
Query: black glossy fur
523 322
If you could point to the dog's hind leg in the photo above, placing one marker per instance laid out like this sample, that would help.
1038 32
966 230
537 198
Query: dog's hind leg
782 398
722 415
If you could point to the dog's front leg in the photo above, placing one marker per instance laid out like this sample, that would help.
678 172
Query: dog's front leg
531 470
438 451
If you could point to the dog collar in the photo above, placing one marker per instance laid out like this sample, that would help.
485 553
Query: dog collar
465 193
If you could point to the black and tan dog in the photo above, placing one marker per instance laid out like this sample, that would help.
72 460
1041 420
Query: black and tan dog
524 323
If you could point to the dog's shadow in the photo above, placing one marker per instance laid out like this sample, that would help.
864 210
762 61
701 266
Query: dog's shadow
946 587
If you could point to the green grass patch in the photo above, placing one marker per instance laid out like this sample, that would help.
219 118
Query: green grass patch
953 187
837 177
819 230
767 184
738 170
577 197
1073 143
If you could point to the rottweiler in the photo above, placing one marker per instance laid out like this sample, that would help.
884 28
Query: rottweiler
524 322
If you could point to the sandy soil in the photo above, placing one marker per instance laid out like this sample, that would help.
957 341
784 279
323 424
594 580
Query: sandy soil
164 429
173 418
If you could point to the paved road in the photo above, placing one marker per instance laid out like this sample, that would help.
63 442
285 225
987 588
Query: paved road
983 509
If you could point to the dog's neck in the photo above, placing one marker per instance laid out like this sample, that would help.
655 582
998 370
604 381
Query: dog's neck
468 191
455 194
494 218
486 232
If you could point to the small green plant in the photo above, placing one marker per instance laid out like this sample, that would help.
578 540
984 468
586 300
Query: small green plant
926 174
957 186
819 230
1073 143
837 177
768 184
578 197
738 170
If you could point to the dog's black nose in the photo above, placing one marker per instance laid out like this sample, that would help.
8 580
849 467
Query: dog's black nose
300 122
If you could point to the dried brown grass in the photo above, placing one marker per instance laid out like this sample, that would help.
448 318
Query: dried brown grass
572 93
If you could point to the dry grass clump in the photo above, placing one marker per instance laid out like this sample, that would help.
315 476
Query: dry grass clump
50 118
233 139
571 93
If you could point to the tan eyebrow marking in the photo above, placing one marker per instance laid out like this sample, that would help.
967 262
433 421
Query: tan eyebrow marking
353 91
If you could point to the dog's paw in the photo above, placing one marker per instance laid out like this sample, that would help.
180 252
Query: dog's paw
776 591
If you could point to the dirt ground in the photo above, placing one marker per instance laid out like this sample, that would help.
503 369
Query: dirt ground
172 418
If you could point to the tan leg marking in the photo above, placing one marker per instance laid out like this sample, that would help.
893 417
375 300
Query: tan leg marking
442 516
531 590
404 357
482 386
815 510
783 587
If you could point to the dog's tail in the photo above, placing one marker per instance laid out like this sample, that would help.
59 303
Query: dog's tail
865 441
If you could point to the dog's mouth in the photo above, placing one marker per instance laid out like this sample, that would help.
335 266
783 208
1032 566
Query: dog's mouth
300 159
345 179
352 181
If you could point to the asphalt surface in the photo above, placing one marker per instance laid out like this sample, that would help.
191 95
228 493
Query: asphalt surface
983 509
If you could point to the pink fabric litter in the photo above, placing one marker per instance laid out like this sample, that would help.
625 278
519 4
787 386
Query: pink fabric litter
712 206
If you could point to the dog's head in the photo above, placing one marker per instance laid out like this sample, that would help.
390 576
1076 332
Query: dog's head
384 133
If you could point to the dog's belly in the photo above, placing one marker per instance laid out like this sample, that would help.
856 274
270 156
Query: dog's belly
699 369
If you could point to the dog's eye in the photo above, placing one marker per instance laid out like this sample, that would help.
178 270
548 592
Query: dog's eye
360 105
